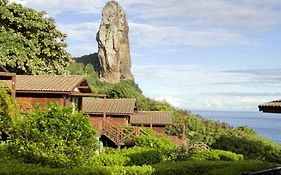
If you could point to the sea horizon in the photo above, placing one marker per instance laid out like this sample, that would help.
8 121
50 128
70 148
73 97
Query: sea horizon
267 125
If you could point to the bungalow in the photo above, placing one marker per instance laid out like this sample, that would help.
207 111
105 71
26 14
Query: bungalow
271 107
117 112
156 120
39 90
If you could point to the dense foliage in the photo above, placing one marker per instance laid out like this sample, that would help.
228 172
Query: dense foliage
152 141
149 150
8 111
62 137
124 89
214 134
30 42
252 147
54 137
217 135
9 166
210 167
215 155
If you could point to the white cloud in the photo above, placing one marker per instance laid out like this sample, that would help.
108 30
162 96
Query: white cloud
194 23
198 87
54 7
177 102
78 49
81 32
146 34
251 14
81 38
243 14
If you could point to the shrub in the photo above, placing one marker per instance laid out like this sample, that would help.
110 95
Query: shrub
250 147
215 155
131 170
109 160
154 142
143 155
8 111
56 137
210 167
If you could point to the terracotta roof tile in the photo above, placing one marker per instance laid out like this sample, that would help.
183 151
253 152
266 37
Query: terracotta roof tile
271 107
112 106
271 104
47 83
154 117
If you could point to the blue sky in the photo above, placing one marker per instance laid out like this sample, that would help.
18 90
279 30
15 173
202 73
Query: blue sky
195 54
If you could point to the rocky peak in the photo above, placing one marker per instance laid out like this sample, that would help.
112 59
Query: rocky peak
113 44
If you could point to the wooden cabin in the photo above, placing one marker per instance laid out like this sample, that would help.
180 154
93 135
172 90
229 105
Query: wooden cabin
156 120
271 107
115 111
39 90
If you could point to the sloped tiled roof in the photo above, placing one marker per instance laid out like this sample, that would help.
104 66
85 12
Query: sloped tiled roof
273 106
272 103
154 117
112 106
47 83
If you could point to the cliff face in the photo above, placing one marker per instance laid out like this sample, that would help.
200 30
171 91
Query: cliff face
113 44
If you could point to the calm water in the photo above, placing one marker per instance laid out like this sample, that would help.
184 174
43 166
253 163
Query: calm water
265 124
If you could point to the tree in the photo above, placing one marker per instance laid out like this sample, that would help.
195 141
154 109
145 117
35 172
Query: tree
30 42
56 137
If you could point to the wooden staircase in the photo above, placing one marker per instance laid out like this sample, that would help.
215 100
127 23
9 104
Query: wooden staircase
120 135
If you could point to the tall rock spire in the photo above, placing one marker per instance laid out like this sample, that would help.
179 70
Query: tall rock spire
113 44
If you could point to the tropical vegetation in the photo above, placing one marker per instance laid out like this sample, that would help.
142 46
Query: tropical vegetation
30 42
58 140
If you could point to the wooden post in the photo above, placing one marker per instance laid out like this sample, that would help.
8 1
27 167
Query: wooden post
137 132
118 137
150 121
13 93
104 107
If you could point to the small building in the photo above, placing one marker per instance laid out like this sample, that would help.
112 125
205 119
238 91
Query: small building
156 120
116 112
39 90
271 107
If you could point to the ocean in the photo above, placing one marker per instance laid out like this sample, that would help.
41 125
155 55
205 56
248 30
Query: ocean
267 125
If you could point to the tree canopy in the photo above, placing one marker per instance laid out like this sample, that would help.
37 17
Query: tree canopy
30 42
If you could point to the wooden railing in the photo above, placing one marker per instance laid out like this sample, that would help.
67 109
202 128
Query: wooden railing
120 134
117 133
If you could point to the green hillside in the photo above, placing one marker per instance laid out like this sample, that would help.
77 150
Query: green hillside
60 140
216 135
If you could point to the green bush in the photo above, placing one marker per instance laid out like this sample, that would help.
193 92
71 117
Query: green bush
143 155
154 142
210 167
55 137
131 170
250 147
8 111
215 155
109 160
